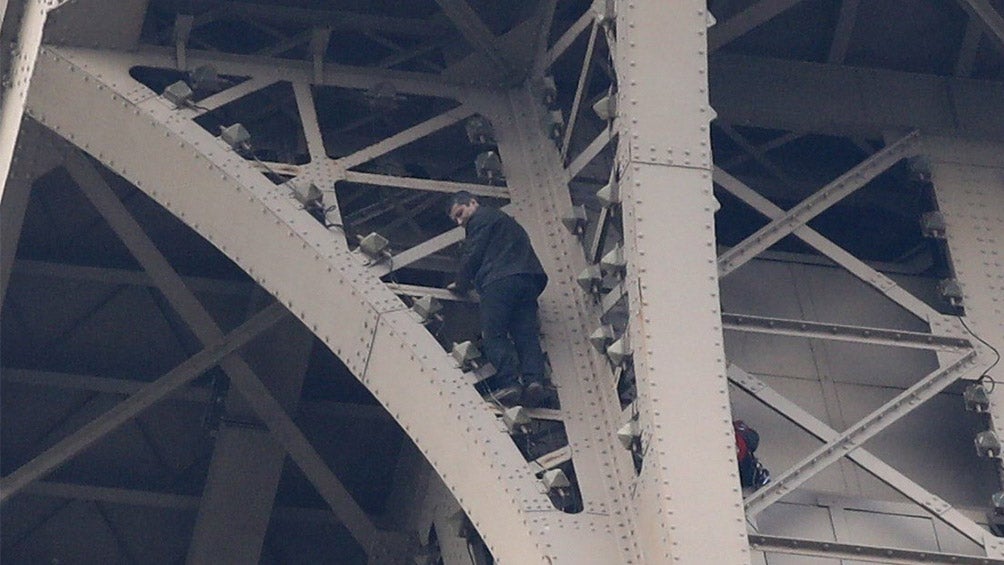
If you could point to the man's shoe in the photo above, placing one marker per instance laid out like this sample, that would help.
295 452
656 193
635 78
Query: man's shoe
534 394
506 396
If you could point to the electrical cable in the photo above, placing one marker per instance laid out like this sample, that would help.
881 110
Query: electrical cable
984 342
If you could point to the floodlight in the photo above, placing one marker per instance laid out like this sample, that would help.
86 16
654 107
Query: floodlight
516 419
932 224
575 221
629 433
465 353
609 195
204 77
305 192
548 91
606 107
590 279
614 261
602 337
489 166
554 124
987 444
373 245
951 291
920 168
976 398
236 136
555 479
619 351
479 130
178 93
427 307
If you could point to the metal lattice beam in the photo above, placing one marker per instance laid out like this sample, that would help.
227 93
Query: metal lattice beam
127 409
816 204
306 266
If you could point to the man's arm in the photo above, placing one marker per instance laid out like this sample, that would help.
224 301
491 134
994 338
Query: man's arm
475 244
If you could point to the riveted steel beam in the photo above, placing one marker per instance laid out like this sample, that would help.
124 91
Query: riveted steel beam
569 37
584 75
152 393
148 499
15 88
839 332
342 20
476 32
866 553
874 465
199 395
855 435
308 268
30 162
277 69
852 264
538 186
850 101
816 204
664 160
598 144
425 184
988 17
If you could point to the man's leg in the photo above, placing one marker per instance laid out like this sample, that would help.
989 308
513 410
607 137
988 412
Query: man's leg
525 331
496 313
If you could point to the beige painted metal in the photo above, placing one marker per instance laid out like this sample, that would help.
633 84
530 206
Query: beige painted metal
968 179
15 92
590 410
304 265
664 159
181 375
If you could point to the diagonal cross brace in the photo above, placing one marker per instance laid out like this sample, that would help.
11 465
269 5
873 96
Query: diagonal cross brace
856 435
811 237
816 204
204 327
152 393
299 262
874 465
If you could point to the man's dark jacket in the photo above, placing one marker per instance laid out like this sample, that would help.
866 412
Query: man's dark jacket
496 246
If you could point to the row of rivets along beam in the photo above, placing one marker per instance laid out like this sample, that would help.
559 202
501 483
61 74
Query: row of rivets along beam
538 187
306 267
689 508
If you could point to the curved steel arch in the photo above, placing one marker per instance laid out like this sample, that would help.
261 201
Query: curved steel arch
221 196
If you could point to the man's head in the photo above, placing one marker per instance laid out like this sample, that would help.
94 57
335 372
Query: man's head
463 204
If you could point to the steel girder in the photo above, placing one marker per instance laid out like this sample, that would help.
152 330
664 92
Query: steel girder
15 92
150 394
689 509
884 472
968 180
538 185
28 163
307 268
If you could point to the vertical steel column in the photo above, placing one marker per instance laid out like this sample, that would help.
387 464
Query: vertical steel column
22 62
237 500
30 162
968 179
688 501
590 409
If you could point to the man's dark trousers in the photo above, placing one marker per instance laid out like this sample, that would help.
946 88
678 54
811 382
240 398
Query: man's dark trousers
509 310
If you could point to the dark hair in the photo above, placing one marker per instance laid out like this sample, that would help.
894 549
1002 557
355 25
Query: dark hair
459 199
